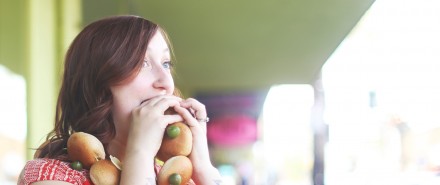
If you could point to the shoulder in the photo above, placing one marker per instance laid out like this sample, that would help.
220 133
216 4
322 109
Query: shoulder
44 169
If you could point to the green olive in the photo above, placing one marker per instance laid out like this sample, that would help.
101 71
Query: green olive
76 165
173 131
175 179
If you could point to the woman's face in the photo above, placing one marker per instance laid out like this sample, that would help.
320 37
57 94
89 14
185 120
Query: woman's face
154 79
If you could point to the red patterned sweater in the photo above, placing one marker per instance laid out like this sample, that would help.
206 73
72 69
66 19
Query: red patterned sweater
52 169
43 169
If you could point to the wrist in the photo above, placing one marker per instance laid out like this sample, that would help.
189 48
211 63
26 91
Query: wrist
207 174
202 166
136 147
138 167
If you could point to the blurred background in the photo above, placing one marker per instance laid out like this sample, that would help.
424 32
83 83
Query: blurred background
298 91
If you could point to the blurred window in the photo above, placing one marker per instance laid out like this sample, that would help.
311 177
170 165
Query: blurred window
13 125
382 97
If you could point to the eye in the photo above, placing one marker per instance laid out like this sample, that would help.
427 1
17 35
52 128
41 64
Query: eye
167 64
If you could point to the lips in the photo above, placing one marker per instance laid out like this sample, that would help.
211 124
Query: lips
160 94
143 101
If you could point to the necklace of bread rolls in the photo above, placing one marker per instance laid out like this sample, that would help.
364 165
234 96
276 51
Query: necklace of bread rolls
86 151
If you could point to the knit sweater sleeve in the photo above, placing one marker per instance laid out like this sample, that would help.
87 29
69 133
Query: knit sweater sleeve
43 169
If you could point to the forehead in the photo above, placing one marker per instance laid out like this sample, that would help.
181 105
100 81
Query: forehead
158 44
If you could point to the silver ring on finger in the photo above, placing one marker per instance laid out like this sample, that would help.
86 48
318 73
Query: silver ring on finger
205 120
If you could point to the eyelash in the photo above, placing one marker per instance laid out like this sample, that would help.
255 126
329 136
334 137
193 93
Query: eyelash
145 64
169 63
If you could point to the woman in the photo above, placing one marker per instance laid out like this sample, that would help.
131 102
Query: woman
117 85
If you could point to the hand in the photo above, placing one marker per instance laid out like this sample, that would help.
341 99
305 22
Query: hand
203 171
147 126
149 122
187 109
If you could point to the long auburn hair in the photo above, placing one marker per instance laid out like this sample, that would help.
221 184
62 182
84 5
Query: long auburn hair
104 53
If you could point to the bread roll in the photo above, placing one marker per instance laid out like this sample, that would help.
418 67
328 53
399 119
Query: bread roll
104 172
85 148
177 164
180 145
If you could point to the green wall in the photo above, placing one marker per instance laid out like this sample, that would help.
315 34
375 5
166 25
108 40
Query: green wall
13 51
240 45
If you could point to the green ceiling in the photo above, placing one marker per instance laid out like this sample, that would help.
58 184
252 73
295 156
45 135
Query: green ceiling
241 45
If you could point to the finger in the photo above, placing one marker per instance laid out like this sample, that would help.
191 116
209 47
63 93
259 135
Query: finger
175 98
153 101
193 123
173 118
161 103
199 108
166 103
190 120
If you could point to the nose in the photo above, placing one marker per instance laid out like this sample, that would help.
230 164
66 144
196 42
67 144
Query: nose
163 80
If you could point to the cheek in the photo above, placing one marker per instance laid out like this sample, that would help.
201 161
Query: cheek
170 88
121 119
122 106
121 110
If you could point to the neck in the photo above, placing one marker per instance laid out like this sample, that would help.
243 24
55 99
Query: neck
116 148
